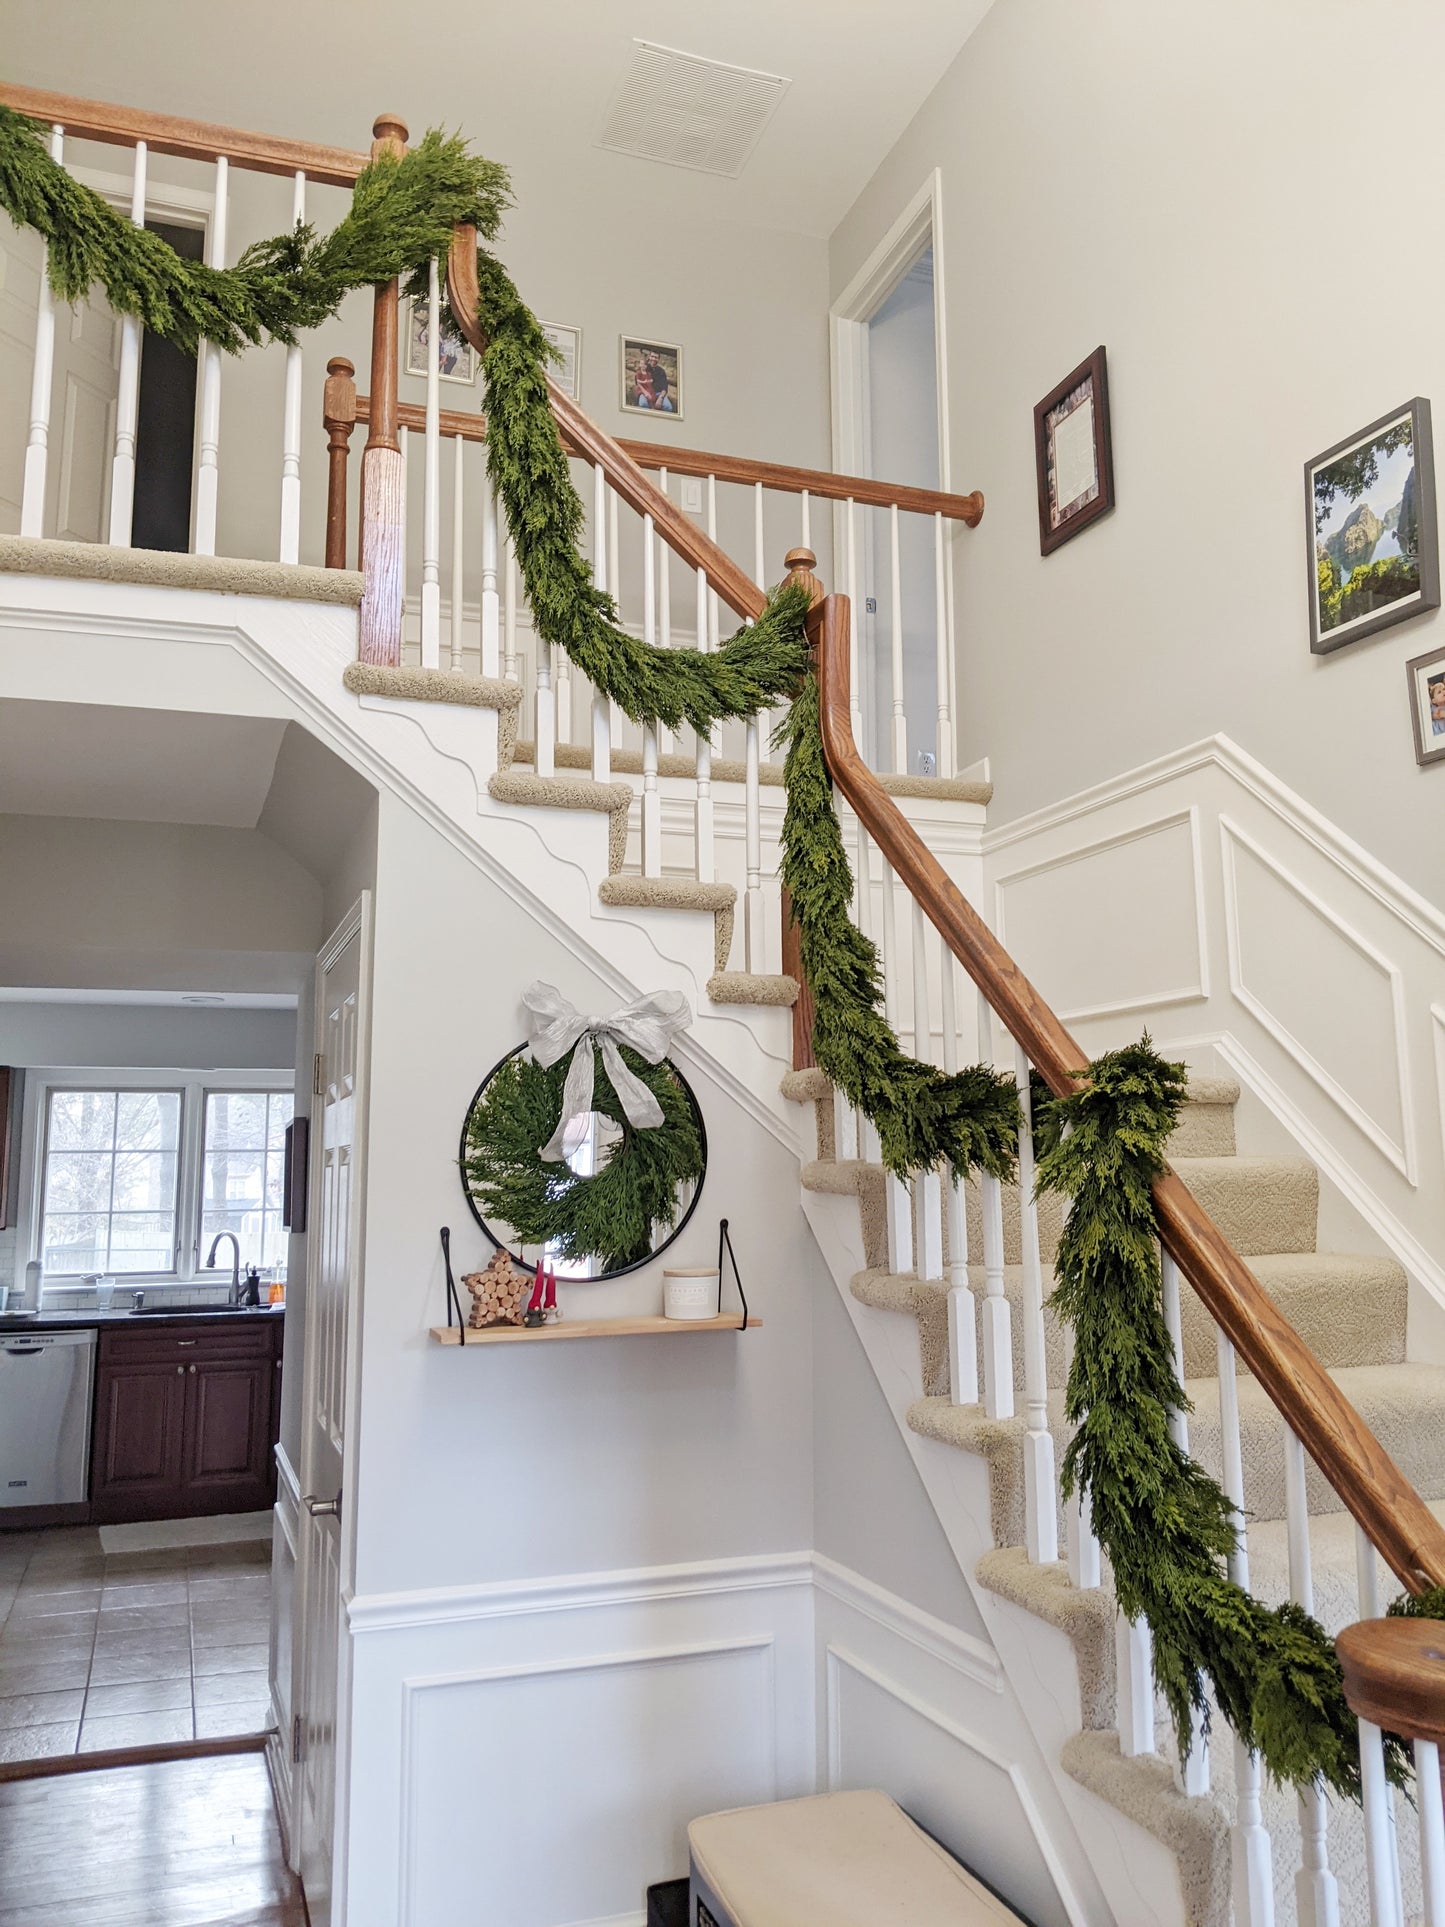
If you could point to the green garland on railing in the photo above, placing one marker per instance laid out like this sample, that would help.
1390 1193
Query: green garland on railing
761 665
1166 1526
924 1116
401 217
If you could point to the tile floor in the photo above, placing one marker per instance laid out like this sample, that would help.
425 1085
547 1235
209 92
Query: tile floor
104 1650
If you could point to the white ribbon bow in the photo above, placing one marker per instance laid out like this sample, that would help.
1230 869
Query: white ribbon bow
646 1025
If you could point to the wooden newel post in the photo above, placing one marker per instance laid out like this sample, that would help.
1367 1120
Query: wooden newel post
381 539
800 564
338 412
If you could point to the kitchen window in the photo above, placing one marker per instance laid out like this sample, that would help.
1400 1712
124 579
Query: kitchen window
135 1180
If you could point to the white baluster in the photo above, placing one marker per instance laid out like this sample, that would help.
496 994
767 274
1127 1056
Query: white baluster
1080 1541
755 936
431 496
713 617
651 799
208 466
491 598
927 1187
665 742
962 1311
1317 1900
997 1334
944 741
290 543
127 400
1041 1485
702 796
952 766
1195 1769
1382 1857
855 621
1251 1850
900 720
511 662
403 442
603 568
897 1193
1134 1671
42 372
868 1148
458 554
1432 1831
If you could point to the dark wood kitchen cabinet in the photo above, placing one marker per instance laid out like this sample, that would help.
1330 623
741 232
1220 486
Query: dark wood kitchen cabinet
186 1416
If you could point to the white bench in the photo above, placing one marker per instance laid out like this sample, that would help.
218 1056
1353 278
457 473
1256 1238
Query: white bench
834 1860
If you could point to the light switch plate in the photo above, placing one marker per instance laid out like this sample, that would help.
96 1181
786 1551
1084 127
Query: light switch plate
692 494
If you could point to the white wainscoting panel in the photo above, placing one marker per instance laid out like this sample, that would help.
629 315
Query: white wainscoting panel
1123 956
535 1751
284 1644
1320 974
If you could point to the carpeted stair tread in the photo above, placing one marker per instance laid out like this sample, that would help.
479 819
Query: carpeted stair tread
999 1441
752 987
1259 1204
1403 1405
169 569
1332 1566
811 1086
666 893
729 769
1084 1617
417 685
1348 1307
1145 1789
570 793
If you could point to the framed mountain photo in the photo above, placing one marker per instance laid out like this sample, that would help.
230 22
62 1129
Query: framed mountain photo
1374 556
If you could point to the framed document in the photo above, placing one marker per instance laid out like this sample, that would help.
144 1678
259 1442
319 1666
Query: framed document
1074 454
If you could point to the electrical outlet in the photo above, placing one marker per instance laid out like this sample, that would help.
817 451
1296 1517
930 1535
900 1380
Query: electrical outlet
692 494
927 763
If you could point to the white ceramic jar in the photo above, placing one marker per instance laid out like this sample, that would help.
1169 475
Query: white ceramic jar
690 1293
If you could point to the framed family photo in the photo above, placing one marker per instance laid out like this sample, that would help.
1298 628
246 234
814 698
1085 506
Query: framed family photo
568 343
456 357
1426 677
1370 518
651 373
1074 454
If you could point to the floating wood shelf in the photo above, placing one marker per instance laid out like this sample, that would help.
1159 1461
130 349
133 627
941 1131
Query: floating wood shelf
730 1321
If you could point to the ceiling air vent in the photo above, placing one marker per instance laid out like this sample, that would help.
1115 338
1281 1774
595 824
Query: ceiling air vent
690 112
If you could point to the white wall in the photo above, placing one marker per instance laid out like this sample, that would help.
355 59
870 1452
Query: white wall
1214 194
150 1035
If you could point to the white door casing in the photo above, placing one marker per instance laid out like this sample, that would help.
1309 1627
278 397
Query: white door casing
326 1539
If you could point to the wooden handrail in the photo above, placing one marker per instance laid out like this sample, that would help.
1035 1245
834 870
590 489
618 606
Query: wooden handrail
1358 1468
192 140
730 468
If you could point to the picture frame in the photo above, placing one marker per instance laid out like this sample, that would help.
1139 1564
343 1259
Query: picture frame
458 357
568 342
1074 453
1373 546
637 358
1426 677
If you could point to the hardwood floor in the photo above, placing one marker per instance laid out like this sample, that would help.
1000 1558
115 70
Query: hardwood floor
187 1843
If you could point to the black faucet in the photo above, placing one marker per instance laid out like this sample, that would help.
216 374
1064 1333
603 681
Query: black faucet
235 1297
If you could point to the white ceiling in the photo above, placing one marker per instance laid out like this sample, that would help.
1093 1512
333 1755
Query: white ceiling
151 999
147 765
528 84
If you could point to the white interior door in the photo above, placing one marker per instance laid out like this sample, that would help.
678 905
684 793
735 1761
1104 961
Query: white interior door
326 1512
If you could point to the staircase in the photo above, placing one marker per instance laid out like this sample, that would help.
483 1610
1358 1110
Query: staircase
1305 1403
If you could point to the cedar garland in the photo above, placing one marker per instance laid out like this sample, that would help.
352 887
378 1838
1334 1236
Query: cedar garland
1166 1526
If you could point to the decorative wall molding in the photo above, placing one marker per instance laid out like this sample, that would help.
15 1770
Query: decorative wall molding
1194 991
1233 839
1324 973
965 1653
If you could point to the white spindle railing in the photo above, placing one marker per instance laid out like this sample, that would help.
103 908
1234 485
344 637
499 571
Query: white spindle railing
1041 1487
996 1332
491 596
127 400
289 549
1382 1858
1195 1767
208 464
431 536
42 374
604 570
651 797
1317 1899
457 613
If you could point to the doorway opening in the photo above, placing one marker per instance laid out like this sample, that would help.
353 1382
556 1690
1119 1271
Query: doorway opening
890 422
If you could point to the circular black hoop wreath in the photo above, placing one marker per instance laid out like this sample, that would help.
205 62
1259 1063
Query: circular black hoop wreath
610 1216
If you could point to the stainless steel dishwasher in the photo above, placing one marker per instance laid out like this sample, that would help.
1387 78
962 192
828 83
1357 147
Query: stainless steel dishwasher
45 1394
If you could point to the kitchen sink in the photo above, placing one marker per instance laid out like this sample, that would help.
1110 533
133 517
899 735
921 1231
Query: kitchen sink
192 1311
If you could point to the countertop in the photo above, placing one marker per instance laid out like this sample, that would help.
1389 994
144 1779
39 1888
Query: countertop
93 1320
